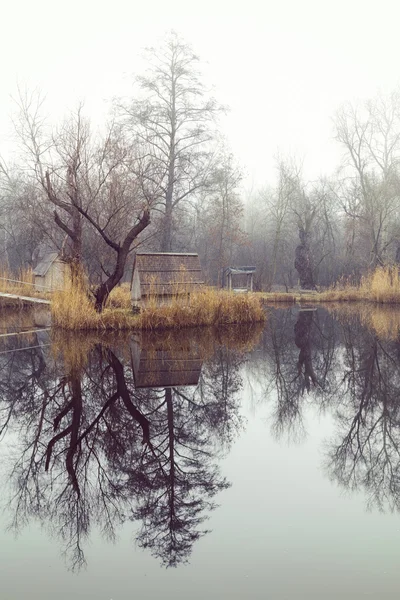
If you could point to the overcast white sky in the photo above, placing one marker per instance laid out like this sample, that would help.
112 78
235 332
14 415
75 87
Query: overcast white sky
283 67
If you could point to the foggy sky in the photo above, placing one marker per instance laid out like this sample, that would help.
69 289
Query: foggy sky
282 67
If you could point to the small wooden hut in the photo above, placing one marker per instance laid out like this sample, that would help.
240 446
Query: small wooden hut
158 361
239 279
163 275
51 273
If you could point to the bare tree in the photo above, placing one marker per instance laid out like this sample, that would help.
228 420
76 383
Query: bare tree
92 182
174 122
220 222
370 134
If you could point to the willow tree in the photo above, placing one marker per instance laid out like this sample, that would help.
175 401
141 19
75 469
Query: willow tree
174 119
92 183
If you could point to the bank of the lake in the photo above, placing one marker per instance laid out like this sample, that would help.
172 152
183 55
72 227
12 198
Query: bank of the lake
74 310
381 286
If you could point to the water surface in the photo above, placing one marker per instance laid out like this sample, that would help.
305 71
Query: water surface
239 463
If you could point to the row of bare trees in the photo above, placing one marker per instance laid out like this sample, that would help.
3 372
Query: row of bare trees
91 193
160 164
338 226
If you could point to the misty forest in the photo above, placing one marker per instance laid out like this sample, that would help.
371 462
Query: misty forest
166 430
160 165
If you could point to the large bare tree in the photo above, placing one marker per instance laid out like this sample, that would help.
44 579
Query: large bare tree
93 183
173 118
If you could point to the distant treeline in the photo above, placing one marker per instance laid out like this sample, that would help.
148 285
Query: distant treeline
159 175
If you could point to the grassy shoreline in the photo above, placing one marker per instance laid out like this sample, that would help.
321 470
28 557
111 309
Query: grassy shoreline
382 286
73 310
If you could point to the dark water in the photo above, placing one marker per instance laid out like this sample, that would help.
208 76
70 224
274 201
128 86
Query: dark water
240 463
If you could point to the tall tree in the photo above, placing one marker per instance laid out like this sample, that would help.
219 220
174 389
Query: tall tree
91 182
220 230
370 135
174 119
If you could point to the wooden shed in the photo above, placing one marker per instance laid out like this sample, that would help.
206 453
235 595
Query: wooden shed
51 273
161 362
164 274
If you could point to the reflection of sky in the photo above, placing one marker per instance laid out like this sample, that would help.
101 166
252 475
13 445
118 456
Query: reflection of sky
282 531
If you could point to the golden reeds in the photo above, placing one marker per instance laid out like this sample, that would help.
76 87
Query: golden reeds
204 307
120 297
20 283
73 309
381 286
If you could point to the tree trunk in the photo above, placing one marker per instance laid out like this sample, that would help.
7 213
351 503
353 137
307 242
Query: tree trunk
303 261
302 339
166 243
103 291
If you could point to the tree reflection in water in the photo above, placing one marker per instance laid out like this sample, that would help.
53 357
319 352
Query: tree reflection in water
101 436
365 453
94 449
347 368
299 355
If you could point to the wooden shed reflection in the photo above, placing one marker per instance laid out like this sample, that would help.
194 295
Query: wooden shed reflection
165 361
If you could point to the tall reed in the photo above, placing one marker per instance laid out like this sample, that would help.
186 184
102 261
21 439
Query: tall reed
73 309
20 283
381 285
204 307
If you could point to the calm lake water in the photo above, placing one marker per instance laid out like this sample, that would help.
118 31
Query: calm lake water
248 462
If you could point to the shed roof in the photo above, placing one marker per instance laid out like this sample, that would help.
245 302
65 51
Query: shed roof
165 273
239 270
44 265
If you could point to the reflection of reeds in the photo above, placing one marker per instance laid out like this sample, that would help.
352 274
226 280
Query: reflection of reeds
241 337
12 319
384 321
75 347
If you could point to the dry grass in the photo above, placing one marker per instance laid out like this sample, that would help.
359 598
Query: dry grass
284 297
380 286
383 285
10 282
205 307
20 284
73 310
120 297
